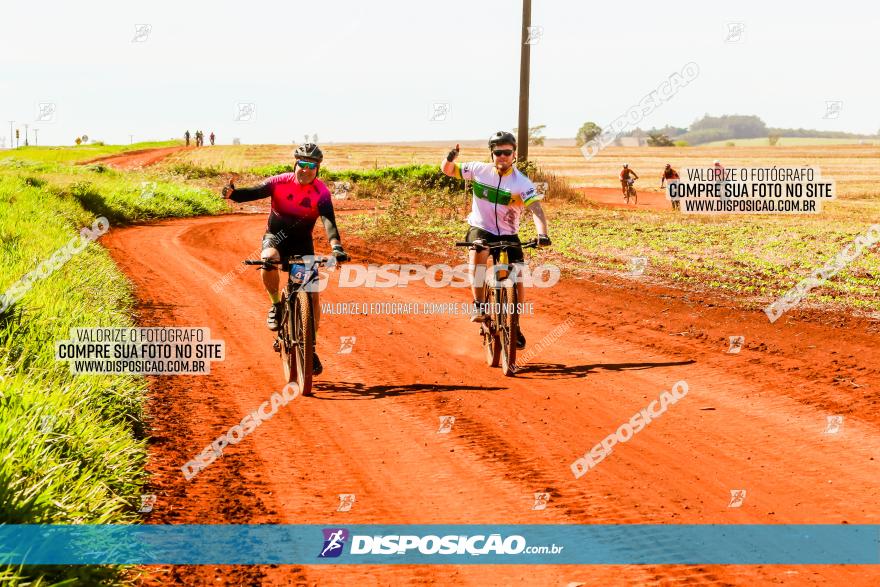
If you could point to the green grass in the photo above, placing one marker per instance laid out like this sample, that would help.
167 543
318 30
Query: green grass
78 153
71 447
425 175
425 181
751 259
122 197
191 171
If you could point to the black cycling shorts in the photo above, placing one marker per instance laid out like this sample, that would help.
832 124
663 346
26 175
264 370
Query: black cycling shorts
289 244
514 254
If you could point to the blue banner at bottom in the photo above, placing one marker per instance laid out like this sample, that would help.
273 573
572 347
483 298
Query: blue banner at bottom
627 544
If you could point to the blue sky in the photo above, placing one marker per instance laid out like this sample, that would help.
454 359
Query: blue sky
371 71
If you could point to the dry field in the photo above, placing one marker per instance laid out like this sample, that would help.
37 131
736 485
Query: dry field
855 168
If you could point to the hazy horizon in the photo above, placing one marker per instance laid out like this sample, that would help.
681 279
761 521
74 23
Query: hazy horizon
356 73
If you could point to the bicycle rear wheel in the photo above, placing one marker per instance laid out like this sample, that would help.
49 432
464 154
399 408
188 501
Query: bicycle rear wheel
508 326
304 341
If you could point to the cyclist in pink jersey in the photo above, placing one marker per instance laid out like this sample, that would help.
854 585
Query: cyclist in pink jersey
298 199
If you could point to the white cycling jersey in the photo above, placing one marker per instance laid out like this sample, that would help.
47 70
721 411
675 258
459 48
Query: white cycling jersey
498 200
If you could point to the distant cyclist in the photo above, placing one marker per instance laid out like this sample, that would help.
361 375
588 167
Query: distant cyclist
718 171
625 174
298 200
501 193
211 137
670 175
186 135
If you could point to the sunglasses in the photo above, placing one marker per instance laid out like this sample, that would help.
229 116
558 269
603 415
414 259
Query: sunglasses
306 164
500 152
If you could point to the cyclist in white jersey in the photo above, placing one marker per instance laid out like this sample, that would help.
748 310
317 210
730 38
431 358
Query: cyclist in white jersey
501 193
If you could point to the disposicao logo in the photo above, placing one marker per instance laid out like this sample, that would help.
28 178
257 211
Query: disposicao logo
334 542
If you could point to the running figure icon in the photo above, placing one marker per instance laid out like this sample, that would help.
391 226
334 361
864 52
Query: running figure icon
334 542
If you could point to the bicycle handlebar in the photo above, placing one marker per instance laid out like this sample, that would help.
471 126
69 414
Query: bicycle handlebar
290 260
479 245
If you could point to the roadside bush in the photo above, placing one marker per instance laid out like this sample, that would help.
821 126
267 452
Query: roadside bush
558 189
191 171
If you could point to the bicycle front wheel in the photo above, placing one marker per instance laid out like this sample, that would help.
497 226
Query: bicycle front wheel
285 336
304 341
491 344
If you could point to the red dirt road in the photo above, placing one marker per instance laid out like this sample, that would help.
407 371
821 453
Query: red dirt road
613 198
753 420
137 159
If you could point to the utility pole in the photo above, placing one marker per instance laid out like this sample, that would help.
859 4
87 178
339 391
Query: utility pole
11 122
36 143
523 130
25 135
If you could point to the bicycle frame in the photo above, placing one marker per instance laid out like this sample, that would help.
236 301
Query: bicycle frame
631 190
500 326
296 333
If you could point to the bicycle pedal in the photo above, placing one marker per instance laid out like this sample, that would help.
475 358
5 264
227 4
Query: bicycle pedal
276 346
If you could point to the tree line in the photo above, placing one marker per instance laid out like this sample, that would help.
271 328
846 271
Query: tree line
715 128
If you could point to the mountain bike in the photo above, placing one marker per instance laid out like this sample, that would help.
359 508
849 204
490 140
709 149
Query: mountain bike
295 339
501 324
631 192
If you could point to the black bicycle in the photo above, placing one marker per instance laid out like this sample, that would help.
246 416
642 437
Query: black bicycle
296 333
500 327
631 191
